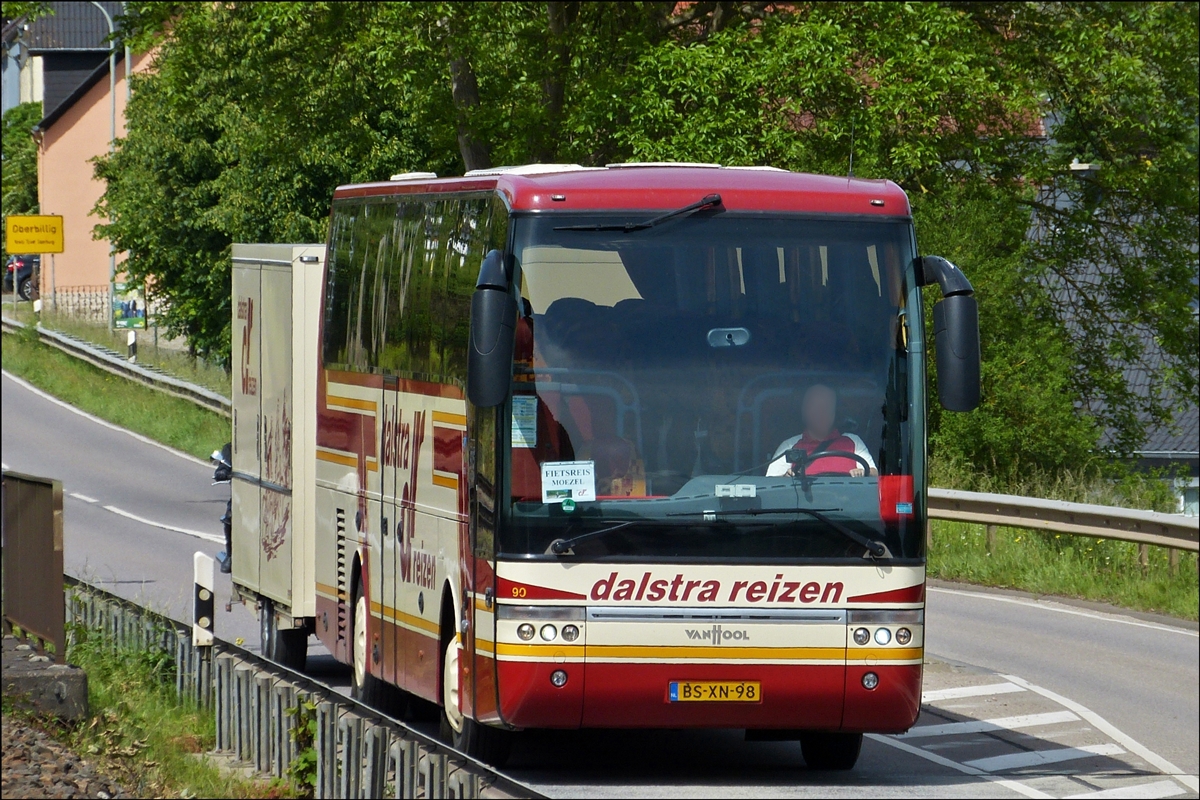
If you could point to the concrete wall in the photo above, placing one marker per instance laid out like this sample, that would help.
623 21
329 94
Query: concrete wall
66 184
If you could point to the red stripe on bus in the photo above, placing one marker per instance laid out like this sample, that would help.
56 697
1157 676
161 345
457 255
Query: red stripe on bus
511 590
909 594
447 449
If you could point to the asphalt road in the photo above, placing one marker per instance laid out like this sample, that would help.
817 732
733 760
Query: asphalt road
1079 699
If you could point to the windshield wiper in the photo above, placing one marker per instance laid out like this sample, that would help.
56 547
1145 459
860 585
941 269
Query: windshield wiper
628 227
875 548
561 547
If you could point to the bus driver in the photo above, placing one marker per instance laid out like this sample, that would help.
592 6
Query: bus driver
818 410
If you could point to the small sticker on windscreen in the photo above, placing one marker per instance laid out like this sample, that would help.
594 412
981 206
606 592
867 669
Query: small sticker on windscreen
568 480
524 420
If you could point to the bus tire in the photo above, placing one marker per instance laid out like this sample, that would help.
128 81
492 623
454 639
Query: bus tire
364 687
286 647
487 744
831 751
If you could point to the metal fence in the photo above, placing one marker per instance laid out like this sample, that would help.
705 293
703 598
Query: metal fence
360 753
1176 532
32 537
1081 519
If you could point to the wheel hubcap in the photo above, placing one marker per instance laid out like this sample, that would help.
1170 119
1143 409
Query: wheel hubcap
450 688
360 642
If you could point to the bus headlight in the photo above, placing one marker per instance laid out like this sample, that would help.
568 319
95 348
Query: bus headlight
862 636
570 633
883 636
525 631
870 681
903 636
549 632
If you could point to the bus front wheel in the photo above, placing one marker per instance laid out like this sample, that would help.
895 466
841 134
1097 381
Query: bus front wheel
463 733
831 751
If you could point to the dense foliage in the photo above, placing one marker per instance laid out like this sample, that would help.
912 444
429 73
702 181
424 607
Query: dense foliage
19 159
256 111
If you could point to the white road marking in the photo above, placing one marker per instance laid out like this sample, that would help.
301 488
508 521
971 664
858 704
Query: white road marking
83 497
985 725
1101 724
1061 609
208 537
1037 758
969 691
26 385
1141 791
1016 786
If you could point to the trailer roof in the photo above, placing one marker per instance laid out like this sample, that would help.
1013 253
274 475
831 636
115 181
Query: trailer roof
569 187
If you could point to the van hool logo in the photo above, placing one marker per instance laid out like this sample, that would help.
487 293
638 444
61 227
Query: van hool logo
718 635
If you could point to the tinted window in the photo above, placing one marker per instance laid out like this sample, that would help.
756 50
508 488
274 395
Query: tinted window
399 283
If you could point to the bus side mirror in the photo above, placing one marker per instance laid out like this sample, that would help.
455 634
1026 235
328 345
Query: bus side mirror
493 328
956 334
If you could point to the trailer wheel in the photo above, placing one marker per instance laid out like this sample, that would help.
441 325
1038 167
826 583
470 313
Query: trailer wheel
831 751
488 744
286 647
364 687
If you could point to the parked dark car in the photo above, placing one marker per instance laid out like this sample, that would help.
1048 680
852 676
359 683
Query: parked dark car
22 268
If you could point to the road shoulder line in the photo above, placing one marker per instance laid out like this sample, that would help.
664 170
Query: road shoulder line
208 537
24 384
1061 609
1101 724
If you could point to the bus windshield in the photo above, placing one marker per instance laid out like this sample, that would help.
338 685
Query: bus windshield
674 389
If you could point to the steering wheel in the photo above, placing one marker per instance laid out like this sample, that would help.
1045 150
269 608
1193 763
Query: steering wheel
797 456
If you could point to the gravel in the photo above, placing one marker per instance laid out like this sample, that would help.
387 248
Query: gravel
36 766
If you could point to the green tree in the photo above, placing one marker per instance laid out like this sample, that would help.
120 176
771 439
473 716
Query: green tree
257 111
250 117
20 186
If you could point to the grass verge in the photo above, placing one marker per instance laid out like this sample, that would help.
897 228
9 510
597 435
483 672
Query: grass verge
1066 565
170 359
139 734
162 417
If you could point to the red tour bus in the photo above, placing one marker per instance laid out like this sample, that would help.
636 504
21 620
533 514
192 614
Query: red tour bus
635 446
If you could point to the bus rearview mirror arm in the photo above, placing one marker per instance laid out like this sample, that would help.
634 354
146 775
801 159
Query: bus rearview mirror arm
956 333
493 330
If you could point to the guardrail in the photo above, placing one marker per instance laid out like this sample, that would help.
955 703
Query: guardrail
1081 519
32 536
360 752
111 362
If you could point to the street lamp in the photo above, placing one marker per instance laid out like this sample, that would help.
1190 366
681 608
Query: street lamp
112 140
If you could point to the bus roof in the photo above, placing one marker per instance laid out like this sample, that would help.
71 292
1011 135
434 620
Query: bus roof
569 187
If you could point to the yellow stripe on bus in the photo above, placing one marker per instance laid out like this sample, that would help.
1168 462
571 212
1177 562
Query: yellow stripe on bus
449 419
337 458
330 591
884 654
408 619
345 460
604 652
449 481
351 402
544 650
721 652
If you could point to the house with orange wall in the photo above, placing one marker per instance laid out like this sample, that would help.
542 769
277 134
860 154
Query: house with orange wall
70 135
